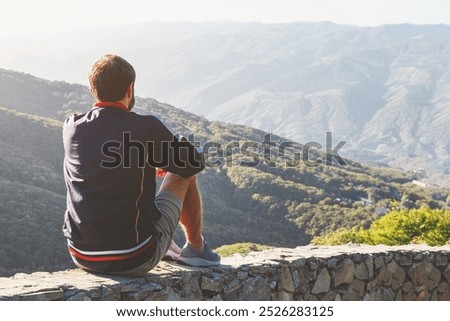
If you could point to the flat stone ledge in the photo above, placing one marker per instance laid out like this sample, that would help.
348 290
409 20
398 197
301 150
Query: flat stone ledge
349 272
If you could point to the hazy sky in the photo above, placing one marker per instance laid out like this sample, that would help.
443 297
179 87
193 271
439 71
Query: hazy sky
25 16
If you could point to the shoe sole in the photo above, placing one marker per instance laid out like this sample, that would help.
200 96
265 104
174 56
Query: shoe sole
170 256
197 262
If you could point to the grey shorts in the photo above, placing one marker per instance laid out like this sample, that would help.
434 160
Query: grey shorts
169 205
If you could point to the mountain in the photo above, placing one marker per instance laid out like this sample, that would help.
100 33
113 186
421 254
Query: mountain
273 202
384 90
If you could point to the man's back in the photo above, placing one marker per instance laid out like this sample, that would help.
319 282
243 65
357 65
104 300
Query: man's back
110 184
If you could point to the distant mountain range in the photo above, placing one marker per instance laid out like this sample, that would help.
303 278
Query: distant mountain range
385 90
275 205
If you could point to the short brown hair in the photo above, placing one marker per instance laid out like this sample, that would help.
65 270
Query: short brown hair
110 78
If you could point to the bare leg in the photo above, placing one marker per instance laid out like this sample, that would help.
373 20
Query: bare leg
191 214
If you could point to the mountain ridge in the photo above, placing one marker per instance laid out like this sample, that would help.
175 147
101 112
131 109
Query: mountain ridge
382 89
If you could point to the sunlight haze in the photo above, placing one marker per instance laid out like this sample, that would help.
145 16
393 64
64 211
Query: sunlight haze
25 16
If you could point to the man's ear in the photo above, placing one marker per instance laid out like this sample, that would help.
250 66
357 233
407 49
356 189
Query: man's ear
130 90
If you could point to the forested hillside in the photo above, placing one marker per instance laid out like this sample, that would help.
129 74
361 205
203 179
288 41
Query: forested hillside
32 198
274 205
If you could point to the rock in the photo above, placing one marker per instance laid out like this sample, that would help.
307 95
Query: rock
286 282
255 289
301 278
109 294
46 295
418 272
265 269
283 295
213 285
313 265
410 296
94 294
434 296
444 297
356 257
167 294
434 277
322 284
309 297
441 259
80 296
351 295
298 262
355 291
358 286
361 271
373 296
234 285
388 258
447 273
273 285
418 256
387 294
330 296
443 287
425 273
130 287
392 275
407 287
190 289
423 295
404 259
344 273
242 275
369 265
144 291
372 285
331 263
379 262
398 278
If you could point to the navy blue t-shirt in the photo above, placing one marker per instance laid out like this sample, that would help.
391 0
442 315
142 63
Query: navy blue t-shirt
109 170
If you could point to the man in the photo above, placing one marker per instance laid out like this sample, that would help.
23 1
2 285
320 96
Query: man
115 221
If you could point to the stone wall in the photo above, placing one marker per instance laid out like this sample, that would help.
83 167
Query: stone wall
304 273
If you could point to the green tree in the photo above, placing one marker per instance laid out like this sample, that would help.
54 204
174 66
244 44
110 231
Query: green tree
399 227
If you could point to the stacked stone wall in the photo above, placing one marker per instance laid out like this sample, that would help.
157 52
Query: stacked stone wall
301 274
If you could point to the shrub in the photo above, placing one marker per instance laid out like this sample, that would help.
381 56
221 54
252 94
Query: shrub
398 227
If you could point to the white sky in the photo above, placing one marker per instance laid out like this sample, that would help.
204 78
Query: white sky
27 16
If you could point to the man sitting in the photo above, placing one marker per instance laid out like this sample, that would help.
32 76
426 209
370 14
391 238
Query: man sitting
115 220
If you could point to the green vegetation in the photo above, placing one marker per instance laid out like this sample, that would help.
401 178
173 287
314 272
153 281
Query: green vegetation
399 227
243 248
32 194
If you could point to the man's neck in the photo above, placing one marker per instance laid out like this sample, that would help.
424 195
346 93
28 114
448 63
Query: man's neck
113 104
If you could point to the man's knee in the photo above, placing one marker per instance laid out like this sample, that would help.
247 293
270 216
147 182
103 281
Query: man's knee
177 185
